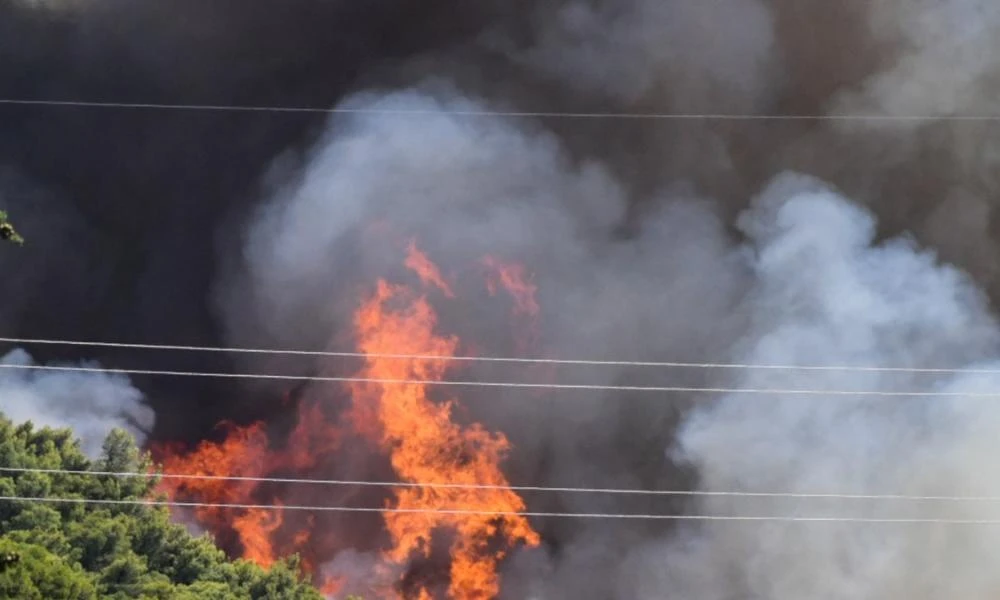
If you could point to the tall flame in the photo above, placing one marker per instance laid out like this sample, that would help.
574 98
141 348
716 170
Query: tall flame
426 446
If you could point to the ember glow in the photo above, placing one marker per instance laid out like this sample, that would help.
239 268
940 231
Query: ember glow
403 416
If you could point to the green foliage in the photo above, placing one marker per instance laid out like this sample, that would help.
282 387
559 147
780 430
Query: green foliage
7 231
84 551
31 572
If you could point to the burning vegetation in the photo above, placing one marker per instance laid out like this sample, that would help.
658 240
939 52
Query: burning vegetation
443 534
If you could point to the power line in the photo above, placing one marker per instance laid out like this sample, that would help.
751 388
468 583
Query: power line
489 113
515 488
493 513
509 384
502 359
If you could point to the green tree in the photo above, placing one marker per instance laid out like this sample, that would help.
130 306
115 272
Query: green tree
7 231
81 550
30 572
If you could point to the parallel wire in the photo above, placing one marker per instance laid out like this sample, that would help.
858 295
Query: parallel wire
510 384
516 488
490 113
494 513
522 385
693 493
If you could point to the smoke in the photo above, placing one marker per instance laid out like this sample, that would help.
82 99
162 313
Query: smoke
91 403
650 239
923 80
489 188
824 295
680 55
153 193
808 288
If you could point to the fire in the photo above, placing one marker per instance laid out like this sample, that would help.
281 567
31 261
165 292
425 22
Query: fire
426 446
331 587
242 454
428 272
256 527
245 452
412 428
313 438
515 281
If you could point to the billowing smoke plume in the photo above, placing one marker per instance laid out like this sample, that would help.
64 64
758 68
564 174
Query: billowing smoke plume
824 296
643 236
806 289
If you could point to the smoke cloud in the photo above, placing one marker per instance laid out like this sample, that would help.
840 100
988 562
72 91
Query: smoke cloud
826 240
91 403
824 295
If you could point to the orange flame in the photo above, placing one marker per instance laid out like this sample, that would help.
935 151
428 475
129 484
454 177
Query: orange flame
313 438
243 453
256 527
422 440
428 272
331 586
425 445
513 279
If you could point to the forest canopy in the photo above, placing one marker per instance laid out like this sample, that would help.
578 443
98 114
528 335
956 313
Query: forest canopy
85 550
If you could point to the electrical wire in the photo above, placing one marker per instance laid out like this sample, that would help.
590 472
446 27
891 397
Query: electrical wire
487 113
515 488
492 513
509 384
503 359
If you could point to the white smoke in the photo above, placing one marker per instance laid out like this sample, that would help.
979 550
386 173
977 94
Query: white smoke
824 295
464 186
91 403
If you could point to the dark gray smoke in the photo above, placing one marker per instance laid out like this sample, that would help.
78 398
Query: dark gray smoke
651 239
